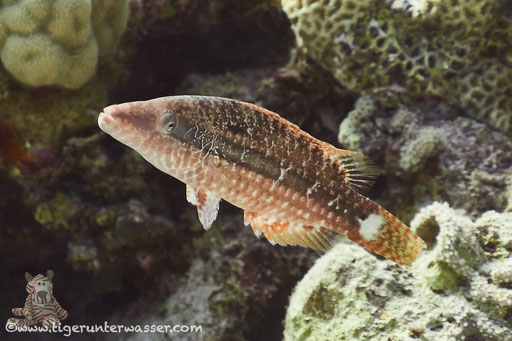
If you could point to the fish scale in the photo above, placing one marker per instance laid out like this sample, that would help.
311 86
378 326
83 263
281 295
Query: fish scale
294 189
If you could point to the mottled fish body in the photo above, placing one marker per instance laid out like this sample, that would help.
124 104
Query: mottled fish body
294 189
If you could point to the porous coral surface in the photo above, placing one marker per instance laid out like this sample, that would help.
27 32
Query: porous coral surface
458 289
458 50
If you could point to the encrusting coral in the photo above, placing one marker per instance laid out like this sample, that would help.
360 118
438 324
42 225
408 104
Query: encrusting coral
460 288
457 50
46 42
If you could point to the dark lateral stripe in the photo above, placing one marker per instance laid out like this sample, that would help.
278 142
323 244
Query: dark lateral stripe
253 160
220 119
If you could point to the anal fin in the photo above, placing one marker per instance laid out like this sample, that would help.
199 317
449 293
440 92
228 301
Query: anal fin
207 205
284 233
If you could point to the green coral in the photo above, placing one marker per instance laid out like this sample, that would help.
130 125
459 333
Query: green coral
444 48
455 290
58 42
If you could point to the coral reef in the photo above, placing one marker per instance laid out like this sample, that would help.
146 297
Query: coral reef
193 37
235 285
48 117
457 50
120 224
423 155
458 289
46 42
120 232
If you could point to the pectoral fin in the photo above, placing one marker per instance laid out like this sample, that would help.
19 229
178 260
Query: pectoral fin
207 205
282 233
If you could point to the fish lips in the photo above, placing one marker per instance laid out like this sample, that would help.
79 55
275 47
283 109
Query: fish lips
106 122
113 121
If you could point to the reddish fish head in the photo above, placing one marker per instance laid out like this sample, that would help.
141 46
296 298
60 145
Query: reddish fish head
133 123
160 129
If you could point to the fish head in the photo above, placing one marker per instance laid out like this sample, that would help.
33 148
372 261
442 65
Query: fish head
152 128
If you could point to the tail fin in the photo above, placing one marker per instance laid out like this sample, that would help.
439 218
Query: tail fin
385 235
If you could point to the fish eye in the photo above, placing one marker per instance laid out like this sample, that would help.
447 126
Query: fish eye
167 122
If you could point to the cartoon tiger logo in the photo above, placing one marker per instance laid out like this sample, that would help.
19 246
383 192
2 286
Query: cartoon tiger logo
40 306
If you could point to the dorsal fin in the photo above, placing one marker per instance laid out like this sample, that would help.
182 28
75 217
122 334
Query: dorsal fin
282 233
360 170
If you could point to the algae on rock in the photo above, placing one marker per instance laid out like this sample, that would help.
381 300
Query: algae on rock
457 289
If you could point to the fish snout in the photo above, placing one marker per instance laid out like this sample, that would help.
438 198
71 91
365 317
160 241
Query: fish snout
106 120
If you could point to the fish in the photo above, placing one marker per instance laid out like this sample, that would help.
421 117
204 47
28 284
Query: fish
293 188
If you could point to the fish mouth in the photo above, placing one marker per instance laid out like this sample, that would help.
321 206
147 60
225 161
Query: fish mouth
107 123
112 123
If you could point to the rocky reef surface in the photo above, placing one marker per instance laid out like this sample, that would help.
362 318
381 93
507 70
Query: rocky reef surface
446 169
458 289
123 242
427 98
430 153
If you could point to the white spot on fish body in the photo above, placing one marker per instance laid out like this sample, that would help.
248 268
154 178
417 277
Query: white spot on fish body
287 193
284 205
369 227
